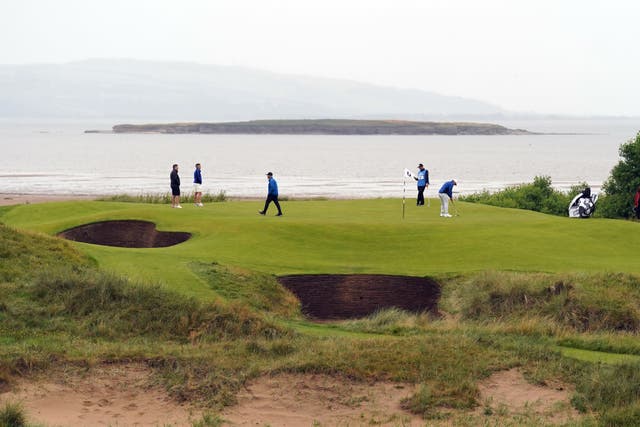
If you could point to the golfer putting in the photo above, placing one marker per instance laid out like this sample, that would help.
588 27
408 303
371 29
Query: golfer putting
446 195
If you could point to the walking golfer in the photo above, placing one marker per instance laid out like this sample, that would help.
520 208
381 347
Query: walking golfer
272 196
197 186
175 187
446 194
423 182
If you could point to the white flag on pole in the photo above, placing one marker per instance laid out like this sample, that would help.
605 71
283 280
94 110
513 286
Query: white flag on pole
407 174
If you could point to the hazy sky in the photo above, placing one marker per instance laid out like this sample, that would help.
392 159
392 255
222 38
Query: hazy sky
561 56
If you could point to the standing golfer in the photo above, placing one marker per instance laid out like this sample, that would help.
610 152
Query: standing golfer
197 186
446 194
423 182
272 196
175 187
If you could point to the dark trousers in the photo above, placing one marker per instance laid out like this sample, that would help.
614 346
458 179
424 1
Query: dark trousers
637 209
270 199
421 194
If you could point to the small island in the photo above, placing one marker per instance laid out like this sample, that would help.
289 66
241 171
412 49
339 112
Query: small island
325 127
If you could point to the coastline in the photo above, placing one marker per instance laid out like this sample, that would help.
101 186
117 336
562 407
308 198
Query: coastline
8 199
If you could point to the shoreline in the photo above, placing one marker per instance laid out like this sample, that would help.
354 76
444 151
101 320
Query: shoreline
8 199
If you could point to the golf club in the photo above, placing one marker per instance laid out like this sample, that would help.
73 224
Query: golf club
455 207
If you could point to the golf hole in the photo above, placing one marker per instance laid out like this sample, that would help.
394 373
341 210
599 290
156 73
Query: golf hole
124 234
349 296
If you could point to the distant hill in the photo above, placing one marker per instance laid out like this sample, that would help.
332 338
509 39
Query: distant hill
173 91
325 127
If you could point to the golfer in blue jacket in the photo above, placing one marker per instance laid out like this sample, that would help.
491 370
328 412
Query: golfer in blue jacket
446 194
272 195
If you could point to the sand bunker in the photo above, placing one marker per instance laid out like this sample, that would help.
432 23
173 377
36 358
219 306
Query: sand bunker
307 400
105 395
125 234
342 296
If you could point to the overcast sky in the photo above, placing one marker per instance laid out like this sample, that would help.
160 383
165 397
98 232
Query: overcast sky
546 56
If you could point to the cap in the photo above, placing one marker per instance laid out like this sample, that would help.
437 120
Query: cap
455 181
420 165
269 174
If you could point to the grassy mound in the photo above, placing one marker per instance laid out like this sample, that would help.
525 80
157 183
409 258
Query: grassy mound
22 254
586 303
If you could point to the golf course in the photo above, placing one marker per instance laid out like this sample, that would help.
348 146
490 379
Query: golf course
551 299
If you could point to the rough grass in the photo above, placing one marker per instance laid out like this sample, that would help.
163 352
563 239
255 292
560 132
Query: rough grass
12 415
585 303
261 292
613 391
22 253
112 307
164 198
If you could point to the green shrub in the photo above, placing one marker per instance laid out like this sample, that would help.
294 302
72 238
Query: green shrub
623 182
538 196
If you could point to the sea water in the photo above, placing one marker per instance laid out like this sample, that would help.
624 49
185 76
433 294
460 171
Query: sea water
59 158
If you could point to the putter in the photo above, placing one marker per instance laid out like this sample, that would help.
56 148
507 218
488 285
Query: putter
455 206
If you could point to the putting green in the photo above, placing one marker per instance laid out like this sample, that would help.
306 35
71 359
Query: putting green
345 236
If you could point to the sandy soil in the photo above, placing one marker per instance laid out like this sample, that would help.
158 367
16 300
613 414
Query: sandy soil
106 395
302 400
120 395
22 199
508 391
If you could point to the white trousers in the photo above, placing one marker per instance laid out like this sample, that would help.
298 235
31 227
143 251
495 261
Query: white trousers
444 203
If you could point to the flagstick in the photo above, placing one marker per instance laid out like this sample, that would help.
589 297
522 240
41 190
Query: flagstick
404 190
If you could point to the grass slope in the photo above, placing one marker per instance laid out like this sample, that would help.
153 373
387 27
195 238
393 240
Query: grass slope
346 237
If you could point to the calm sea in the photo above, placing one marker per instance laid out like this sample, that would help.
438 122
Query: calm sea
58 158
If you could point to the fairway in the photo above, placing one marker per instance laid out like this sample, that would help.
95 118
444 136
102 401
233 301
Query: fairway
344 236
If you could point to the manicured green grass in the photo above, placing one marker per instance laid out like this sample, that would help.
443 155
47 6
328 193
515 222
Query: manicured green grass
350 236
598 356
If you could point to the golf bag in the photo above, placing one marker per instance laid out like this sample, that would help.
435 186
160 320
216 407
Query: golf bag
583 205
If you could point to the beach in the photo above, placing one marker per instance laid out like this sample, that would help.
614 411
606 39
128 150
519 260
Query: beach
7 199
